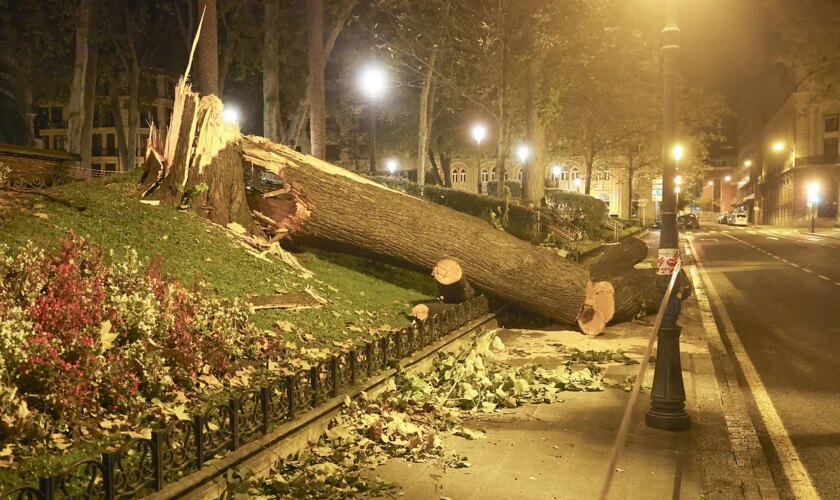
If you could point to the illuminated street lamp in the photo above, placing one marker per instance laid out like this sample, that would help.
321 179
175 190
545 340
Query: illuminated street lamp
728 178
523 152
813 201
373 81
555 171
230 114
678 152
711 183
578 182
478 133
778 146
391 165
748 163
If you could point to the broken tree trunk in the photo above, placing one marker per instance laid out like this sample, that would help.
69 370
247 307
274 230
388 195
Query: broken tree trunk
453 286
636 294
611 260
351 210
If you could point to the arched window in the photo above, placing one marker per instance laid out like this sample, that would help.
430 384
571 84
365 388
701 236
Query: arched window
463 177
520 175
575 173
506 175
493 174
564 174
597 175
454 177
607 174
485 176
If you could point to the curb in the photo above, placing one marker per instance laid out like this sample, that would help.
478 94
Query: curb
256 458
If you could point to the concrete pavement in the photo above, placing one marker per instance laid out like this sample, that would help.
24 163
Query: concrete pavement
562 450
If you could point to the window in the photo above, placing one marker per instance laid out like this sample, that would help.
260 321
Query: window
463 176
141 144
597 175
606 175
57 117
832 122
830 149
454 177
46 139
575 173
493 174
58 143
485 175
110 167
96 145
42 119
564 174
520 175
110 144
506 175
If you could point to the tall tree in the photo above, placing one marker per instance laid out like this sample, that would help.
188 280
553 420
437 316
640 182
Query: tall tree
76 107
271 71
208 49
316 90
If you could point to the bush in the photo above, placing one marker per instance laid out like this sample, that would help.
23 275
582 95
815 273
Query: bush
586 211
82 337
513 187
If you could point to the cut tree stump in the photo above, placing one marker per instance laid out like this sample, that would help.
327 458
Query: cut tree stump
636 294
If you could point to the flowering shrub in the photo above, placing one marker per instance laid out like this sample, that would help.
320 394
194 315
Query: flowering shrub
83 334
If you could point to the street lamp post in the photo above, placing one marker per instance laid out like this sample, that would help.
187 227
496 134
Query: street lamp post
667 407
373 84
555 171
813 200
478 133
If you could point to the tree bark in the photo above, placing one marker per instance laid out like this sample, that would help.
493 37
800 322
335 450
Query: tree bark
208 49
271 71
430 309
636 294
130 160
119 124
423 129
317 98
611 260
590 162
421 233
76 106
533 179
90 104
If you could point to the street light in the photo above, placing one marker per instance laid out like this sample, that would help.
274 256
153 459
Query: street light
813 200
748 163
667 395
778 146
523 152
728 178
478 133
373 81
230 114
578 182
555 171
391 165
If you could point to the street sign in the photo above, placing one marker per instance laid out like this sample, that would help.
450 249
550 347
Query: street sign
656 192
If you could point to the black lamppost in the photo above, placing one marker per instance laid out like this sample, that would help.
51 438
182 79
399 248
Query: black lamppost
372 83
667 405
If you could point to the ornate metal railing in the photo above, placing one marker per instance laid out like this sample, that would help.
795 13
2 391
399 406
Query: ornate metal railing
181 447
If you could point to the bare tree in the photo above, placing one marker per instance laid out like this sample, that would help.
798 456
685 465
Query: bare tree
316 90
76 108
271 71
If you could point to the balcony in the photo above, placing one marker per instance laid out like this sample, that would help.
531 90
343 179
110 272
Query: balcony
805 161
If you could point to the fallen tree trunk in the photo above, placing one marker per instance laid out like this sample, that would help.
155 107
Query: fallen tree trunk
355 211
452 284
426 311
612 260
322 201
636 294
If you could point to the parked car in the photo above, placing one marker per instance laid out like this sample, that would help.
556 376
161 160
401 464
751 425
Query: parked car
657 224
740 219
722 218
688 221
730 219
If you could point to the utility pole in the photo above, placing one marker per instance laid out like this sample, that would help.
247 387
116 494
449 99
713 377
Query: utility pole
667 408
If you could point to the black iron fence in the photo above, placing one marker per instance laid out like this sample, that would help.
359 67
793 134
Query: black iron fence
142 466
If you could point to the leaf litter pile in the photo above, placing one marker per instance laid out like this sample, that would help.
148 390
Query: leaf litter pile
408 419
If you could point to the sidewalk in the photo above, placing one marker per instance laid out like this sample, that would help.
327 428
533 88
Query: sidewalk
562 450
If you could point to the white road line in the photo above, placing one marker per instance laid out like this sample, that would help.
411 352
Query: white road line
837 283
825 277
772 238
794 265
804 269
800 481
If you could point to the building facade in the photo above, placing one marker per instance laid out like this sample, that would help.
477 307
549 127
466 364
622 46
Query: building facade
719 189
794 151
156 104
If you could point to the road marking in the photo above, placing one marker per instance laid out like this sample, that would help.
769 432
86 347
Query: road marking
707 239
825 277
785 261
837 283
772 238
800 482
794 265
804 269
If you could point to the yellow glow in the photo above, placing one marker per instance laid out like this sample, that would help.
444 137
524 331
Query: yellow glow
373 81
479 132
711 183
677 190
678 180
391 165
523 153
555 170
578 182
727 178
813 190
748 163
678 152
779 146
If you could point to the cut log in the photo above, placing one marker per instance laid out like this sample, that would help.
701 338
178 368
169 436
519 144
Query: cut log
426 311
453 286
612 260
636 294
598 308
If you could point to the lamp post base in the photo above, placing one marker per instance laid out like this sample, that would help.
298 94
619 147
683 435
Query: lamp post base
675 419
667 399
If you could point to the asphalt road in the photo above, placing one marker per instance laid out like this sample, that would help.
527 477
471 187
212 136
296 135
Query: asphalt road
781 290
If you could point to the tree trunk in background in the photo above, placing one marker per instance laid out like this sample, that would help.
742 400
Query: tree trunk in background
630 171
533 178
119 124
271 71
76 105
89 105
130 161
590 161
446 167
441 178
208 49
423 129
317 98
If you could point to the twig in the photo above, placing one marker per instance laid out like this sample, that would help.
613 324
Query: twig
38 192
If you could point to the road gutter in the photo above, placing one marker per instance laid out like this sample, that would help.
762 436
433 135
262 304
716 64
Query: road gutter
751 462
255 459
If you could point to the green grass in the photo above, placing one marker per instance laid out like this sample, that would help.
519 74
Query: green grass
363 294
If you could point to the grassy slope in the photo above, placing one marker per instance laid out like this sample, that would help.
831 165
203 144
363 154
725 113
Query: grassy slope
362 293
